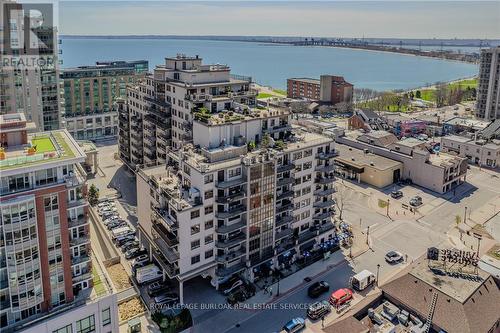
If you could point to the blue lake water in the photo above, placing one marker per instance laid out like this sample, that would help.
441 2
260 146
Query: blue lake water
272 64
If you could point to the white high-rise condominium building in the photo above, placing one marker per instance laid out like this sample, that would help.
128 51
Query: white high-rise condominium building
247 190
158 112
488 94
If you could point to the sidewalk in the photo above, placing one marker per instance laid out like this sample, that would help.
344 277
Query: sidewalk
292 282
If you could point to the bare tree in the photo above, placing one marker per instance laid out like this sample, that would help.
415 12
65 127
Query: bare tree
341 199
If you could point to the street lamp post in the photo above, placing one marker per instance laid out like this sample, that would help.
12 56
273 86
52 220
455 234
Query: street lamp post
278 286
367 233
378 269
465 215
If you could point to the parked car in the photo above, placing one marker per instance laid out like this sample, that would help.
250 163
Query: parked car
235 285
157 287
129 245
110 219
107 215
124 239
396 194
228 282
134 252
168 298
416 201
116 224
393 257
318 310
317 288
294 325
140 259
340 297
106 204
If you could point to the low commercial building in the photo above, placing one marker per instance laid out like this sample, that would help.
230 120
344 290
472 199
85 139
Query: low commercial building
439 172
363 166
89 94
460 124
430 298
480 152
328 89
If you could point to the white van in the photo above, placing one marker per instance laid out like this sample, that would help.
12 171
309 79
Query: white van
362 280
120 231
148 273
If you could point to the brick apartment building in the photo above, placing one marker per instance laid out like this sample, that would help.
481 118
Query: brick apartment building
328 89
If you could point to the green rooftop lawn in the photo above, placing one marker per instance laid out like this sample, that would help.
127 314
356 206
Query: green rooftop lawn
98 285
43 144
264 95
279 91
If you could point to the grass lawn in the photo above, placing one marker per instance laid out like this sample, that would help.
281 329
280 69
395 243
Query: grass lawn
264 95
43 145
98 285
279 91
427 95
471 83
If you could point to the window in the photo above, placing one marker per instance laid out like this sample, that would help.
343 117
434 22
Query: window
195 244
209 224
195 259
209 210
209 239
106 317
297 156
86 325
195 214
307 165
234 172
209 194
209 178
308 152
209 254
195 229
65 329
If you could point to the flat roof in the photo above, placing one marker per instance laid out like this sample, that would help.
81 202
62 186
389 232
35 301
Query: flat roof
353 156
306 80
42 148
410 142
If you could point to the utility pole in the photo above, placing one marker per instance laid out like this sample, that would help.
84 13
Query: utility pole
367 233
465 215
387 207
378 269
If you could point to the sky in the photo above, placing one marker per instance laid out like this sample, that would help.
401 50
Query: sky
398 19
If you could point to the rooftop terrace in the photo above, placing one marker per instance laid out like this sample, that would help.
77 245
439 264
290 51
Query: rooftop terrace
43 147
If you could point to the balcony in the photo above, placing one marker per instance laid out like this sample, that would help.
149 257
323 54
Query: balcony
233 211
324 204
326 227
169 253
324 180
231 269
234 240
84 275
283 234
80 259
226 229
283 220
307 235
229 256
285 167
167 236
328 155
231 197
82 239
279 128
324 215
163 215
76 222
284 195
285 181
284 207
230 183
323 192
198 97
171 270
324 168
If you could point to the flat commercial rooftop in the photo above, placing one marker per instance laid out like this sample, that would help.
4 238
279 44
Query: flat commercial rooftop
306 80
457 288
358 157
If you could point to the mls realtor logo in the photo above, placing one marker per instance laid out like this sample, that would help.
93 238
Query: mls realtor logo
28 34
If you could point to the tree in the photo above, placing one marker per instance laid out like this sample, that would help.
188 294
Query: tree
418 94
93 196
266 140
251 145
341 199
441 92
